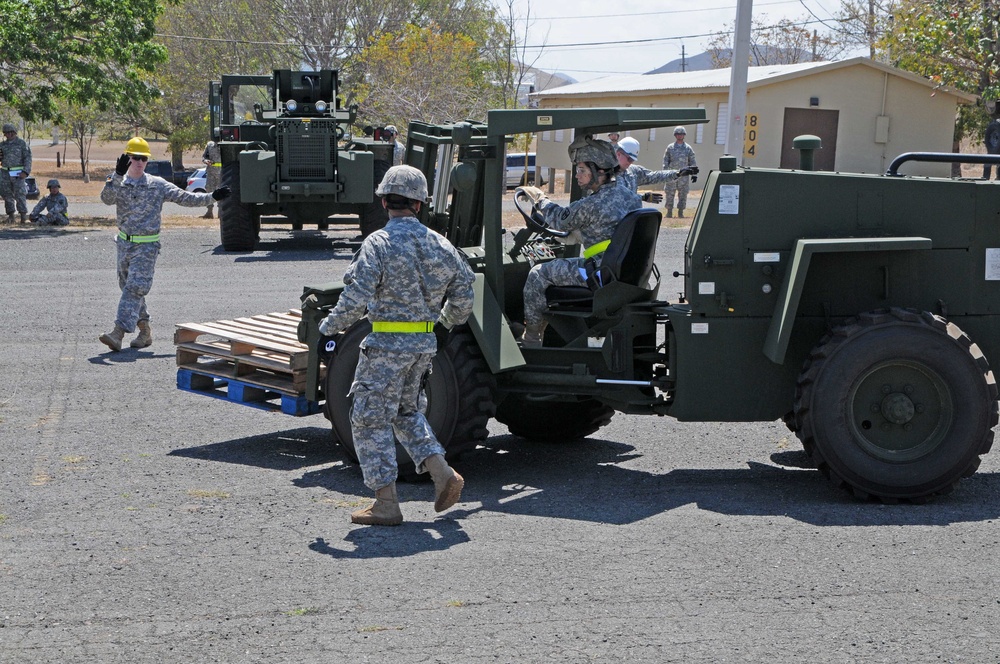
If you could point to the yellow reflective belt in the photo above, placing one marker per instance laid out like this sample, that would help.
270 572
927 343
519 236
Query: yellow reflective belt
402 326
218 163
139 239
595 249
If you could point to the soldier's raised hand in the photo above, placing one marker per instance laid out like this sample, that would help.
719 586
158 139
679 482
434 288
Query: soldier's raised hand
121 166
222 192
653 197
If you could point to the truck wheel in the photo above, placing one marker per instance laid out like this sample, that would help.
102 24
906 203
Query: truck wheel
239 223
554 421
459 395
373 216
896 404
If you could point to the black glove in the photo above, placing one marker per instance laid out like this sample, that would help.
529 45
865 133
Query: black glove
652 197
442 333
691 170
121 166
221 192
326 346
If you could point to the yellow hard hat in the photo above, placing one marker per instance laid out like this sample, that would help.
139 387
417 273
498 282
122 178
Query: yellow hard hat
138 146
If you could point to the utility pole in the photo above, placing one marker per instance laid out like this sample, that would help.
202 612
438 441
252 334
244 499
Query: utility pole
738 79
683 59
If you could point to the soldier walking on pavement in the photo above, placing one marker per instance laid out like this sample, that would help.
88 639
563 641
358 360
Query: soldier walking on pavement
401 275
15 155
592 219
138 198
212 158
678 156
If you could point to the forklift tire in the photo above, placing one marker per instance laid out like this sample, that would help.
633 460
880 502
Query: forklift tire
373 216
546 420
459 392
896 404
239 223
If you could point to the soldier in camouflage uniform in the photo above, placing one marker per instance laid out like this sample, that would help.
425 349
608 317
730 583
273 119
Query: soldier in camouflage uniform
15 155
212 158
678 156
139 198
632 175
398 149
400 277
592 220
57 207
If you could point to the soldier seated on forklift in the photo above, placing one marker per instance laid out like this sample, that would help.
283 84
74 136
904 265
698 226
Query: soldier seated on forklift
589 221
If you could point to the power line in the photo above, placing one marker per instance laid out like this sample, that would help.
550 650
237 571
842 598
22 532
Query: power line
660 13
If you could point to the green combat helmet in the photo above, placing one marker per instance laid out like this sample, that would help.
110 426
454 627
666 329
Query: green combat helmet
593 150
405 181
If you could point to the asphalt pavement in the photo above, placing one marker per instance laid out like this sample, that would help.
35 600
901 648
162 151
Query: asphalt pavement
140 523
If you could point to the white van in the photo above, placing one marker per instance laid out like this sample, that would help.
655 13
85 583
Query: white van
515 170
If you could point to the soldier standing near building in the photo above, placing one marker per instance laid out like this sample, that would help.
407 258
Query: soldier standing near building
400 276
632 175
138 198
15 155
57 207
678 156
592 219
212 158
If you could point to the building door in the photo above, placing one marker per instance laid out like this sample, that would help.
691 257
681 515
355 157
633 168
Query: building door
813 121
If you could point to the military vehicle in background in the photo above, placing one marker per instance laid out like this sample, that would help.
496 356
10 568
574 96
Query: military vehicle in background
861 309
288 154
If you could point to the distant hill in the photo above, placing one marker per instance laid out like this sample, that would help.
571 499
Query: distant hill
760 55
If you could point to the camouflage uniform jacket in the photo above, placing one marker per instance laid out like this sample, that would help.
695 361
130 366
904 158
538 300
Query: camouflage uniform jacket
636 176
55 204
16 153
404 272
398 153
595 217
139 202
678 156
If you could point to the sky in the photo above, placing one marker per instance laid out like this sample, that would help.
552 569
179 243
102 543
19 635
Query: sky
588 39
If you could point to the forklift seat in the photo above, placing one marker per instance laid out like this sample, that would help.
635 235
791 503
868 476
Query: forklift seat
628 260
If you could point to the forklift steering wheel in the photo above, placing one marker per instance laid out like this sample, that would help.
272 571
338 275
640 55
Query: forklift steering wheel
533 216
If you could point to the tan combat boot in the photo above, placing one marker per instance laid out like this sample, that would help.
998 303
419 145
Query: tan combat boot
113 339
145 336
208 214
447 483
533 335
383 512
10 219
24 217
670 212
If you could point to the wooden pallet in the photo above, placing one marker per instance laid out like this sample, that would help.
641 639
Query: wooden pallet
256 359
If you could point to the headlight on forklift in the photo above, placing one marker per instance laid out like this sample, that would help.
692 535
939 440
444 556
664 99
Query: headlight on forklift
291 105
321 106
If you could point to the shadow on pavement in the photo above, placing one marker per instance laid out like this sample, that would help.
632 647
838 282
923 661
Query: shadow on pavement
285 450
287 245
109 357
408 539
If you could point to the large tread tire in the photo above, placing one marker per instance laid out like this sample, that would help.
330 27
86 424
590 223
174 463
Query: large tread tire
373 216
460 395
239 223
896 404
546 420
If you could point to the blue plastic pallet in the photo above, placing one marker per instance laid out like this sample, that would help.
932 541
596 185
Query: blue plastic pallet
255 396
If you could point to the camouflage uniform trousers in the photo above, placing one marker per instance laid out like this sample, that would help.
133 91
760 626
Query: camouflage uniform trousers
136 263
559 272
681 186
389 399
14 192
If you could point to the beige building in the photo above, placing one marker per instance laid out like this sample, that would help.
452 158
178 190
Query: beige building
866 113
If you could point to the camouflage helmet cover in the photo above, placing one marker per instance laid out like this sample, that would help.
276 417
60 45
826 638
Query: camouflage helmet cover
53 183
9 127
600 153
405 181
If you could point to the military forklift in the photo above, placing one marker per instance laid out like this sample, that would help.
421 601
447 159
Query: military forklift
288 153
860 309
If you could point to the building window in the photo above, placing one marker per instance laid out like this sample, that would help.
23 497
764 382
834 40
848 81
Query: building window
559 135
546 135
652 133
699 133
722 126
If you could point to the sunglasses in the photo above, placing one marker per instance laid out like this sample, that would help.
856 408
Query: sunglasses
136 157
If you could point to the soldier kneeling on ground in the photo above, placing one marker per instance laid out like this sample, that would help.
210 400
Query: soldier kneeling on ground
57 207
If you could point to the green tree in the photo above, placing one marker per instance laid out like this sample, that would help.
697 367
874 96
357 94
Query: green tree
953 43
85 52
